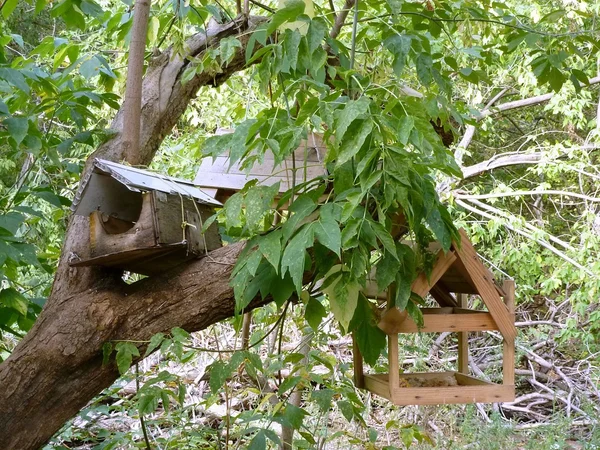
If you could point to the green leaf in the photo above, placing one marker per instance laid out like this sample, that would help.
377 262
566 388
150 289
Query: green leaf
11 221
219 372
424 66
125 353
346 409
384 237
302 207
288 13
233 210
323 398
291 45
258 442
15 78
352 110
155 342
399 46
407 123
342 294
17 127
386 270
314 313
294 415
8 7
294 255
107 349
371 340
354 141
227 49
90 68
148 402
13 299
328 233
270 247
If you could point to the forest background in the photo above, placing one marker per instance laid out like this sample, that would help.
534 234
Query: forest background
510 90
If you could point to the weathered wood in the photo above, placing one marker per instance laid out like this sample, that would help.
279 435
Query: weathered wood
308 160
508 347
481 279
167 233
463 341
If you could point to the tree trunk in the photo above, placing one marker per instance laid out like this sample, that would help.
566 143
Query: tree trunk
57 368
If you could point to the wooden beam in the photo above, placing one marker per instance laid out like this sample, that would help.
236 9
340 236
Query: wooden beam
359 374
439 323
482 280
442 295
394 365
508 347
463 341
422 284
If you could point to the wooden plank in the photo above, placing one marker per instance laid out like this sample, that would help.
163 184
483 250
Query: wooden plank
439 323
468 389
359 374
480 277
422 285
442 296
377 386
309 162
394 366
508 347
454 395
140 235
463 341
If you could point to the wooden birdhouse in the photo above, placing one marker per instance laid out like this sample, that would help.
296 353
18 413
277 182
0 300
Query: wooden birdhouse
454 275
141 221
218 179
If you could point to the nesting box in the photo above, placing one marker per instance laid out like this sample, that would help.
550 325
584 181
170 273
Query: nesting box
218 179
141 221
455 274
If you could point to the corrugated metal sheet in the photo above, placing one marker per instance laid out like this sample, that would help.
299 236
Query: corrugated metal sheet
89 198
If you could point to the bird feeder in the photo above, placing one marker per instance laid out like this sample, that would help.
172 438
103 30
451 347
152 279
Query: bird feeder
141 221
219 179
459 272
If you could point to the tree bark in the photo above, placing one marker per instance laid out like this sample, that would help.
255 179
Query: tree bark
57 368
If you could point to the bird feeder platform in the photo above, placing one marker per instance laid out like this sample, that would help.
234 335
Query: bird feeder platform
459 268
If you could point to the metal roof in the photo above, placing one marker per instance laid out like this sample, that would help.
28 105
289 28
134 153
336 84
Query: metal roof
135 180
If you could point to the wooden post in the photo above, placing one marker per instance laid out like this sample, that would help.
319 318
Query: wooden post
508 347
359 373
394 374
463 341
133 90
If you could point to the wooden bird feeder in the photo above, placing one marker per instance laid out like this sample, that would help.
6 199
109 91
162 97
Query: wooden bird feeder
459 272
141 221
218 179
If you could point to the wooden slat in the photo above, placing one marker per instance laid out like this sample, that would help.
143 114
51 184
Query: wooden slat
468 390
394 374
422 285
377 386
442 296
439 323
463 341
359 375
480 277
508 347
